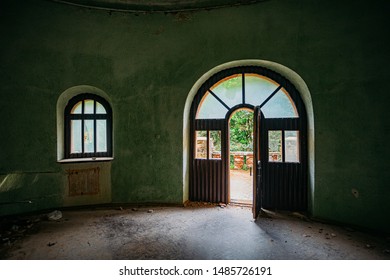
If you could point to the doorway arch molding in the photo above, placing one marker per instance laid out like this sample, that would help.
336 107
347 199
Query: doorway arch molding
239 107
286 72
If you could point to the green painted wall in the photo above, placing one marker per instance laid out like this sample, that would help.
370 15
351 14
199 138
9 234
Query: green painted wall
147 64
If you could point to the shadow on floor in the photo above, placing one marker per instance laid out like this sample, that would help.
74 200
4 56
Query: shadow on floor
208 232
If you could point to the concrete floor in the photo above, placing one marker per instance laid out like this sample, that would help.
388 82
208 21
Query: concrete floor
199 231
241 186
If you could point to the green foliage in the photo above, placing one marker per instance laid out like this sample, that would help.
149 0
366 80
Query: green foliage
215 136
275 140
241 131
231 161
233 83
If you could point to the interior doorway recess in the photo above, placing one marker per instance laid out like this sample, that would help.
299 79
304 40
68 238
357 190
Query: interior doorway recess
279 137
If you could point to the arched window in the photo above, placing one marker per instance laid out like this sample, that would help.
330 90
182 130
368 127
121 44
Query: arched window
246 89
88 127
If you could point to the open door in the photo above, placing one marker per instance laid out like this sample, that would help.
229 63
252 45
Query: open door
280 164
256 163
283 148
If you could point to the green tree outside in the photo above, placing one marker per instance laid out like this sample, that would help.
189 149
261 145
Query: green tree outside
241 132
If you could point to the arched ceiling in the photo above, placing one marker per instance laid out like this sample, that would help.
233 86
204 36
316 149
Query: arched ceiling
157 5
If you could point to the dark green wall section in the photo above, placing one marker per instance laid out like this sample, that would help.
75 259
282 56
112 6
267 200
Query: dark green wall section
147 63
157 5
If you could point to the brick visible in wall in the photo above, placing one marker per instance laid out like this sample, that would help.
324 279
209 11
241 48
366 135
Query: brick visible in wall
241 158
83 181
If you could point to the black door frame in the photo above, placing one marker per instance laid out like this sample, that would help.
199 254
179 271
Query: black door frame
228 116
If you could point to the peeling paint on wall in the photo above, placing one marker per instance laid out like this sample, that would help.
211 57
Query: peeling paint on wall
355 193
83 181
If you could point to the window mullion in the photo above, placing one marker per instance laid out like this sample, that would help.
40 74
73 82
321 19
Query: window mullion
283 147
219 99
94 127
208 144
269 97
243 87
82 128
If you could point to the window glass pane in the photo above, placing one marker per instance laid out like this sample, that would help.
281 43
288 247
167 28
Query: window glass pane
75 136
210 108
77 108
88 136
280 106
100 109
229 90
215 144
88 106
275 146
291 145
257 89
201 144
101 134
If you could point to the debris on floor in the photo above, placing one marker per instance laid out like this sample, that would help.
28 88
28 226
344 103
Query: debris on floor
180 233
54 216
150 211
13 229
201 204
300 216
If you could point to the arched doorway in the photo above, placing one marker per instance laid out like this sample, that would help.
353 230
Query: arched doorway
241 157
280 136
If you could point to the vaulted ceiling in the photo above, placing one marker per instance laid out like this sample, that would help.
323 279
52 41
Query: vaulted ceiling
157 5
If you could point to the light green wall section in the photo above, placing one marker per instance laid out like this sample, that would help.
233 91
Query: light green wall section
104 194
147 65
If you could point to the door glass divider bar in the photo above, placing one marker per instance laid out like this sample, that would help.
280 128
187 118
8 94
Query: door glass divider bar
219 99
269 97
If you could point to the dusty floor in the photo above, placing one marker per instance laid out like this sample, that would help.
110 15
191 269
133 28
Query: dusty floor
206 232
